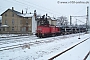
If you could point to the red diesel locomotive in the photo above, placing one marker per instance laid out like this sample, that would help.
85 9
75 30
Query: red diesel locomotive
44 31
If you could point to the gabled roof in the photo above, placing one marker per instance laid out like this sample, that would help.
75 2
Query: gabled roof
19 13
16 12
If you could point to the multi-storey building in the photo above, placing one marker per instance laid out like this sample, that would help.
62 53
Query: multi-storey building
17 22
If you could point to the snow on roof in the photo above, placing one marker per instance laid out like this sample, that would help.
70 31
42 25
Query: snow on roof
20 14
23 15
16 11
52 18
26 15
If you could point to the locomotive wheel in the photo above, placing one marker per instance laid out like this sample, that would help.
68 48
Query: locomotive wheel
53 35
40 36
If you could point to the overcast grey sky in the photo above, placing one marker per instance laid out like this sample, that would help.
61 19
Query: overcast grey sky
51 7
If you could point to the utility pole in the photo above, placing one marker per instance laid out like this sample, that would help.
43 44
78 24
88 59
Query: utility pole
76 22
74 16
26 9
87 19
70 20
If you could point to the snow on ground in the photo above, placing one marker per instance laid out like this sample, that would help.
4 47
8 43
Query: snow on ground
7 35
77 53
9 40
45 50
88 57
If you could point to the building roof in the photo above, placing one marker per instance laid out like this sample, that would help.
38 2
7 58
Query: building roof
25 15
53 18
19 13
16 12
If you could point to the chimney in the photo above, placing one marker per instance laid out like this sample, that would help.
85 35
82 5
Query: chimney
22 11
35 13
26 11
46 15
12 8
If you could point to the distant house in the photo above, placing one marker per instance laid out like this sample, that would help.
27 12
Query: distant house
52 21
17 22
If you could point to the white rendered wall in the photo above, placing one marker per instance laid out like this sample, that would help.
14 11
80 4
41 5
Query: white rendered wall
34 25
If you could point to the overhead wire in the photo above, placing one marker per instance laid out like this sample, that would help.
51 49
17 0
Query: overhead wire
80 10
36 7
48 9
79 20
43 7
39 7
32 6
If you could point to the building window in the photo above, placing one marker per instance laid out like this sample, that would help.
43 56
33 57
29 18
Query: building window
12 22
26 22
12 28
5 22
5 14
12 15
20 21
3 29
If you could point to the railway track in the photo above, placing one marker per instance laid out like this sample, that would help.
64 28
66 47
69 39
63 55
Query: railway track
87 55
9 40
30 42
12 41
21 45
70 49
12 37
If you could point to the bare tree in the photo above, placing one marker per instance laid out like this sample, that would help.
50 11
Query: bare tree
62 21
